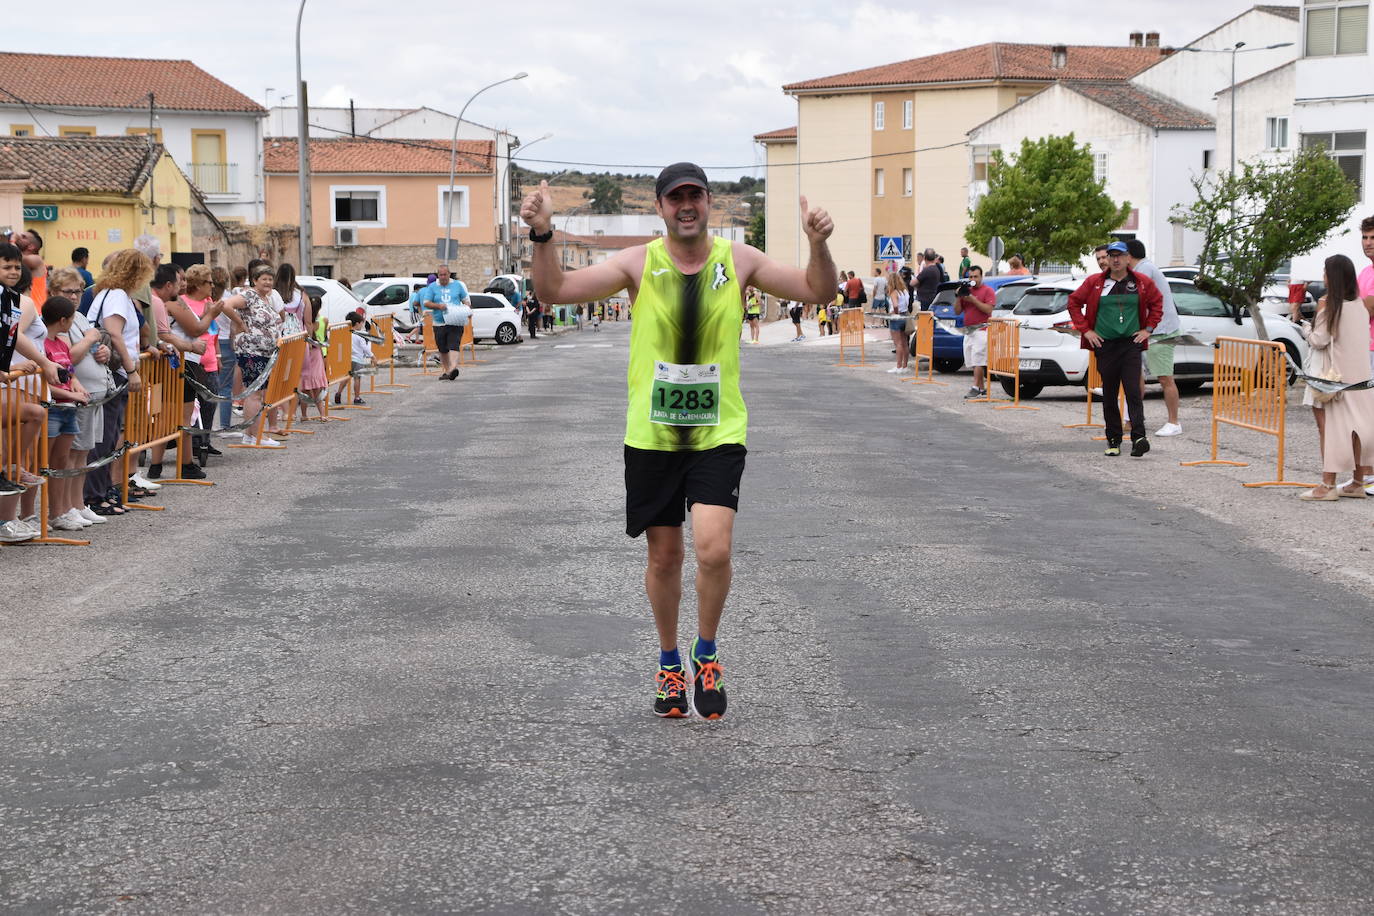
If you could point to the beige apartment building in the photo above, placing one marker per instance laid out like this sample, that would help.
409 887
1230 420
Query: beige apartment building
885 149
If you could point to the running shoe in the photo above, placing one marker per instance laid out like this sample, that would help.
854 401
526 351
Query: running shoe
15 532
708 689
10 488
1113 448
1139 447
670 702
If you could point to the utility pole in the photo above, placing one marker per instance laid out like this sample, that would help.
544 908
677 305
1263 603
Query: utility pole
303 147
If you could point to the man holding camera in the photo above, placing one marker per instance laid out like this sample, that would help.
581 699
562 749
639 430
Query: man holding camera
974 302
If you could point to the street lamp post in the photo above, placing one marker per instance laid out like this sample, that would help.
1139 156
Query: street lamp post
729 211
453 159
306 235
506 230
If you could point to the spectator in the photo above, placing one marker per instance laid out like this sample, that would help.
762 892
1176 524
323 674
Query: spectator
31 245
532 313
964 263
928 280
900 299
795 310
1100 252
751 313
314 378
192 316
89 357
548 316
225 325
81 261
448 302
1017 267
113 310
880 303
944 274
974 303
853 291
1340 328
293 301
255 345
823 318
360 358
1116 313
64 422
1366 278
1159 359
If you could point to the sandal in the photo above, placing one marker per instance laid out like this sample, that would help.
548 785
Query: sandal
1330 496
1356 490
104 507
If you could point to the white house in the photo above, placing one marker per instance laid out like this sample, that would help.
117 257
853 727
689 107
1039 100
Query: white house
646 225
213 131
1145 147
1333 106
411 124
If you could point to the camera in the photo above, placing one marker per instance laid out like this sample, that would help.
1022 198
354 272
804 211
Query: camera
64 375
963 290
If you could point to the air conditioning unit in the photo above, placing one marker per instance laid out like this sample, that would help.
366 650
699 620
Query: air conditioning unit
345 235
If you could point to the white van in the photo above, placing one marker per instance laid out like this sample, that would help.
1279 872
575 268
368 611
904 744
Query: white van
336 299
392 296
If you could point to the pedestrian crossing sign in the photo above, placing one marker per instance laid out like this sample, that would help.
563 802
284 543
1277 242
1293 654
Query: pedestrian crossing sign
889 248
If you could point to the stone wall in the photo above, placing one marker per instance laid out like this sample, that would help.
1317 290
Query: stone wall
231 244
474 265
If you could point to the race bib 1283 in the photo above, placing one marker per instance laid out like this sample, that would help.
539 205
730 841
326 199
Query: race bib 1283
685 395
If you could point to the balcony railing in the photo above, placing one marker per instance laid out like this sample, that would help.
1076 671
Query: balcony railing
214 177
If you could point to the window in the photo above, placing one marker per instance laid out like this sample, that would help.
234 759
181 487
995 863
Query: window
1207 159
878 183
67 130
906 247
395 294
982 155
460 205
1100 167
1276 133
1347 148
1189 300
21 130
143 132
879 114
1336 27
908 182
908 114
355 206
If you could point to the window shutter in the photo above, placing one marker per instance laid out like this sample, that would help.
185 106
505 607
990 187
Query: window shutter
1321 32
1353 34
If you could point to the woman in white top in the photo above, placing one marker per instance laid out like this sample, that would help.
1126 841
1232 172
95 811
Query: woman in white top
899 307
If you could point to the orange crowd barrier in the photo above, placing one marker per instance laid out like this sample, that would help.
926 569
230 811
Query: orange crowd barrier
467 343
925 350
153 417
428 345
1004 361
24 443
385 355
283 386
851 336
1249 391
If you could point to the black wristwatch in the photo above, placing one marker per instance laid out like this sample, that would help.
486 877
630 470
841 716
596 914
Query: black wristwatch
537 238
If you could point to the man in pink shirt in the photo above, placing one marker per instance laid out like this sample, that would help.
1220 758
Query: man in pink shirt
1366 278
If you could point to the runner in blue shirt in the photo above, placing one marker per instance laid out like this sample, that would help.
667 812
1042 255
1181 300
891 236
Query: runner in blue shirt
447 299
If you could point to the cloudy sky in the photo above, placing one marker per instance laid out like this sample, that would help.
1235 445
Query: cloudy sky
622 86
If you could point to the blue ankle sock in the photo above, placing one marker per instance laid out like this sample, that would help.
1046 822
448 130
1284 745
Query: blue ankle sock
704 648
669 659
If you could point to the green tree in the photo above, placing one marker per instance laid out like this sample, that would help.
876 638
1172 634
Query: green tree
757 234
605 195
1262 214
1045 203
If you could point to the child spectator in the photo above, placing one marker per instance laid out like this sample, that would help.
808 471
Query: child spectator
314 381
63 422
362 357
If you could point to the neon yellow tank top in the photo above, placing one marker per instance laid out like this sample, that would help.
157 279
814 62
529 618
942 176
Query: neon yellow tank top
684 355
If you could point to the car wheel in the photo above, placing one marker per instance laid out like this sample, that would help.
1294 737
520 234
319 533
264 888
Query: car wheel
506 333
948 365
1189 385
1028 389
1294 355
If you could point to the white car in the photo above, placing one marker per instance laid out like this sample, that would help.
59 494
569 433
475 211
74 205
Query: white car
1050 352
494 318
392 296
336 299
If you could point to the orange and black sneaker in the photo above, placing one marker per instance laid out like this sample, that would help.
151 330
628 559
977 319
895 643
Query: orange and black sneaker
671 700
708 688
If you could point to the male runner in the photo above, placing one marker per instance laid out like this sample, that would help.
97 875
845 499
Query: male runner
686 421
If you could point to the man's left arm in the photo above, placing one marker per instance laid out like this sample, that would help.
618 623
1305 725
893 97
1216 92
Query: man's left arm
810 285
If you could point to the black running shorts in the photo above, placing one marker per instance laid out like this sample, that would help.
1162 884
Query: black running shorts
660 487
449 338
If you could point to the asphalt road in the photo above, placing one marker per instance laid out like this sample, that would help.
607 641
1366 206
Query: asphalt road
407 667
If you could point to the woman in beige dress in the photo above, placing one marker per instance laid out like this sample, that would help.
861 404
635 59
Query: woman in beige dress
1341 329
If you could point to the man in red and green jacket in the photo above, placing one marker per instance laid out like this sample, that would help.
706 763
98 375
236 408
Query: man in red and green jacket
1116 312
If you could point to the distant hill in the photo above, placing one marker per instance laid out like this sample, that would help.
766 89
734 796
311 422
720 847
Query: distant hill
637 193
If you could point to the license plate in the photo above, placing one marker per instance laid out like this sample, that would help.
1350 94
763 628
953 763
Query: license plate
1030 364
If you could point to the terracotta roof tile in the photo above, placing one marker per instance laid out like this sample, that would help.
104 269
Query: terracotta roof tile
387 157
72 165
994 61
782 133
116 82
1149 108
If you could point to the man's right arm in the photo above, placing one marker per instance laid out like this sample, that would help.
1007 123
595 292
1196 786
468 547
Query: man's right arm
587 284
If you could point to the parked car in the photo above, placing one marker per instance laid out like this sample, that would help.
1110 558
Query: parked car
392 296
1050 354
494 318
336 299
948 348
513 286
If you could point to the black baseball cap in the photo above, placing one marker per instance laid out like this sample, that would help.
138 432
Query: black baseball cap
679 174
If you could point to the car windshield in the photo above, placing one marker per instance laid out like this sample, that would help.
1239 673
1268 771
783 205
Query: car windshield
365 287
1042 302
351 292
1010 294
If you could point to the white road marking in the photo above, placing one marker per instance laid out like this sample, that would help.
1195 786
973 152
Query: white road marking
564 346
602 346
